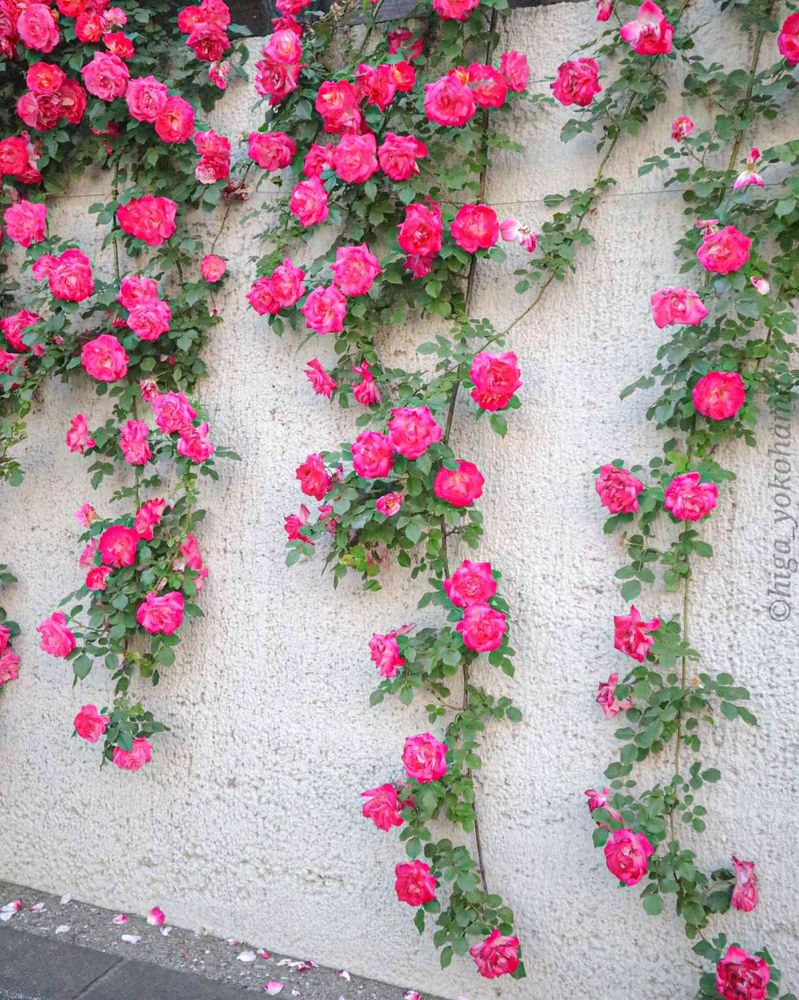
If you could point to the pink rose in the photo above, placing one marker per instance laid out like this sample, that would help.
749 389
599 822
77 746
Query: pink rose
355 269
390 504
97 577
461 486
119 44
134 290
175 121
13 327
471 583
106 76
688 499
104 358
208 42
149 319
214 162
261 297
271 150
355 158
372 455
313 477
577 82
56 638
367 391
86 515
618 489
475 227
37 28
630 636
212 268
173 412
293 524
513 66
148 516
724 251
650 34
376 84
489 86
412 429
627 855
382 806
149 219
385 654
161 615
398 154
276 79
308 202
287 284
78 437
741 976
495 377
190 550
719 395
89 724
496 956
788 39
454 10
135 758
677 306
744 893
194 444
682 127
424 758
749 176
26 222
325 309
322 382
607 700
317 159
9 665
283 46
482 628
69 276
146 98
117 546
414 883
601 800
449 102
604 8
420 233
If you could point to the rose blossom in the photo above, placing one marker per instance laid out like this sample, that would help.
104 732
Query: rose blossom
601 800
424 758
376 84
724 251
650 34
471 583
175 121
604 8
313 477
688 499
56 638
355 158
372 455
390 504
618 489
173 412
308 202
322 382
214 162
513 66
134 444
367 391
719 395
414 884
577 82
97 576
275 79
741 976
119 44
9 665
398 154
355 269
475 227
482 628
749 176
325 309
382 806
744 893
78 437
148 218
208 42
629 634
421 230
677 306
271 150
292 524
627 855
489 86
681 128
607 700
193 443
89 724
384 651
135 758
412 429
496 956
117 546
149 319
104 358
86 515
69 276
495 377
134 289
161 615
788 39
449 102
318 159
148 516
26 222
146 98
461 486
454 10
106 76
37 27
190 550
87 557
212 268
13 327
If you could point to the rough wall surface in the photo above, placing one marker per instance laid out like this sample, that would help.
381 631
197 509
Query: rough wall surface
248 824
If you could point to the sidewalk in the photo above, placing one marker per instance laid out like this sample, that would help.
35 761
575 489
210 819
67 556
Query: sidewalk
73 951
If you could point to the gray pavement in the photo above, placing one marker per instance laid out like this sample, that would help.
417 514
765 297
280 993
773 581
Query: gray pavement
54 950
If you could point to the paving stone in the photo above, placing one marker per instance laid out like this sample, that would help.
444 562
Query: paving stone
47 969
142 981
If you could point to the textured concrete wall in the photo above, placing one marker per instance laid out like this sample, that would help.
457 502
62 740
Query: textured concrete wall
248 824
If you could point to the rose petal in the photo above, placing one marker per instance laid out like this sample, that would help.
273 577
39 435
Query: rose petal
37 907
120 918
62 929
166 931
263 953
246 956
344 974
155 917
66 898
273 987
8 910
130 938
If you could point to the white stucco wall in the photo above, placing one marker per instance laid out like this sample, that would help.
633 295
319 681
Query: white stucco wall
248 824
